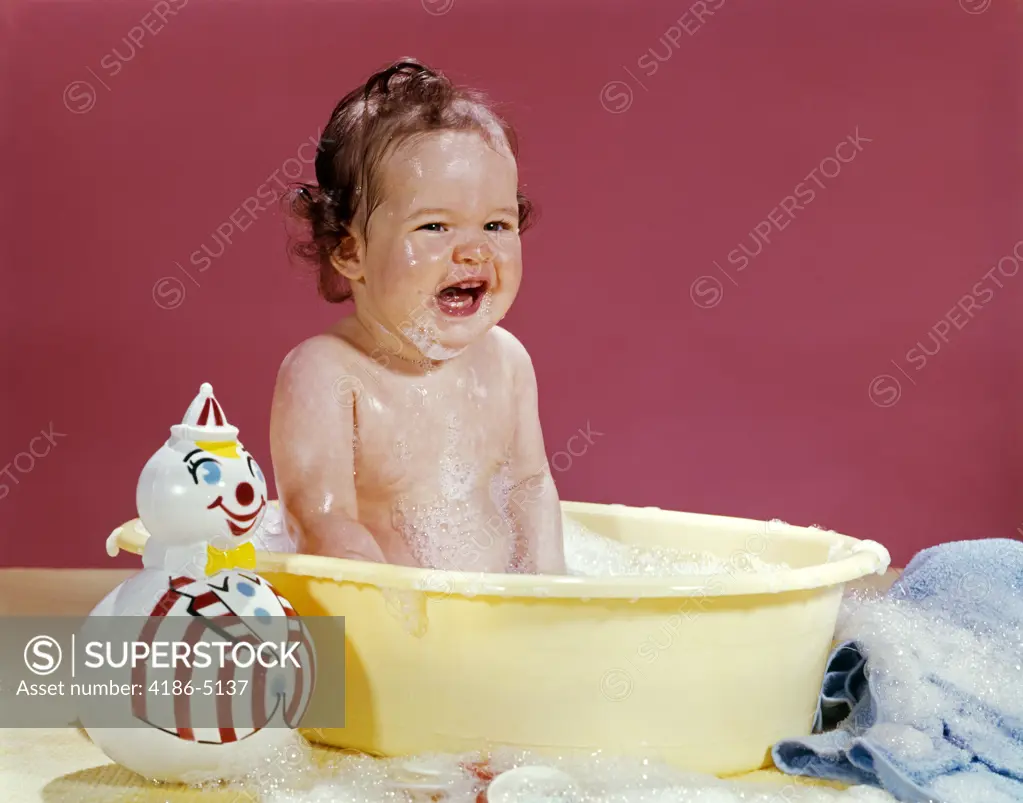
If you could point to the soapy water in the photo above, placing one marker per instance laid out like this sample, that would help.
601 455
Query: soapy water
588 554
300 774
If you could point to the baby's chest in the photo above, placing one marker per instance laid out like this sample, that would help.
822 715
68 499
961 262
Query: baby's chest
416 433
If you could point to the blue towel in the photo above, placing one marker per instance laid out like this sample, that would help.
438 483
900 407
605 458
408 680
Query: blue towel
924 696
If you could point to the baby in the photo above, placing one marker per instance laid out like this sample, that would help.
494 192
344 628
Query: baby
409 433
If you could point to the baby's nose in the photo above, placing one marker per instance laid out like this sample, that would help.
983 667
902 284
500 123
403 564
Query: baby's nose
476 253
244 494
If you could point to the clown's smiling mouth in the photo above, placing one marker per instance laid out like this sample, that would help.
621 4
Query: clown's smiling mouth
242 517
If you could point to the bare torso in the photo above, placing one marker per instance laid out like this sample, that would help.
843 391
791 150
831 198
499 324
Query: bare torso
431 459
430 454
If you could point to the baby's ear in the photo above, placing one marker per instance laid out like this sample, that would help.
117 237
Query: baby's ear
347 259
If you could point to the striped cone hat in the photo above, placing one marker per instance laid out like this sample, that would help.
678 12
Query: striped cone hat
204 420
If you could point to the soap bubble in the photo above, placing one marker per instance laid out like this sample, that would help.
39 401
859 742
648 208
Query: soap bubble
436 581
973 588
407 607
588 554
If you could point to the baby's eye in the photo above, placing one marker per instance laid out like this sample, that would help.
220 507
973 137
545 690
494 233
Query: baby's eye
499 225
431 227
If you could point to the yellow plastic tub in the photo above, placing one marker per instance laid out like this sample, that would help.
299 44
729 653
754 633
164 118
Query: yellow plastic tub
706 672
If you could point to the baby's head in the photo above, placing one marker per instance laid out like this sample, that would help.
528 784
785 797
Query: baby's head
417 212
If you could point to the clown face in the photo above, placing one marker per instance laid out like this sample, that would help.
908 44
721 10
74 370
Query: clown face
202 485
193 491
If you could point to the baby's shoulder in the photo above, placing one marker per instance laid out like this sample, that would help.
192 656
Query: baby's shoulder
316 357
510 350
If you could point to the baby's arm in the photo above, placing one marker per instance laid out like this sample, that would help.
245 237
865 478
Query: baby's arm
533 502
311 429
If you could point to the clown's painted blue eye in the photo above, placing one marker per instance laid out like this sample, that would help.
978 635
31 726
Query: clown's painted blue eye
210 468
210 472
255 470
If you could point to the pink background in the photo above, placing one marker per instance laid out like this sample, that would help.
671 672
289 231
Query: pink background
758 406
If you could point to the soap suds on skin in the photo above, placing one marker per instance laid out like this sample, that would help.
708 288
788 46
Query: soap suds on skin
424 339
434 530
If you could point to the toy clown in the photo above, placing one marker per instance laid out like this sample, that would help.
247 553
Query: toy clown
201 498
202 482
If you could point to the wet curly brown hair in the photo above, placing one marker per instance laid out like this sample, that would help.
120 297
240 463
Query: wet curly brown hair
404 100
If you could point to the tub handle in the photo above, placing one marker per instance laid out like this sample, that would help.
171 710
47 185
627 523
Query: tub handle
112 548
884 559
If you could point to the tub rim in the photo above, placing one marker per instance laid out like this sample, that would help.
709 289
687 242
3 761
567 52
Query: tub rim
853 559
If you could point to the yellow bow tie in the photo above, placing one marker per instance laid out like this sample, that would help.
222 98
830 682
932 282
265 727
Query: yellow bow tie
243 557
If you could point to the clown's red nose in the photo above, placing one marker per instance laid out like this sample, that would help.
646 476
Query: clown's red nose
244 494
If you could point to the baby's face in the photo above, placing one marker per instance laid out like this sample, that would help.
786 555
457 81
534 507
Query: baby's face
442 260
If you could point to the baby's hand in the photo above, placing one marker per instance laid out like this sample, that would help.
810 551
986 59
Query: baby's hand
346 542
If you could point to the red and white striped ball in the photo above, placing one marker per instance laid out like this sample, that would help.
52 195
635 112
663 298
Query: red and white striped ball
213 722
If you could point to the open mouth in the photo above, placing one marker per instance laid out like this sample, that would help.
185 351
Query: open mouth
232 518
462 298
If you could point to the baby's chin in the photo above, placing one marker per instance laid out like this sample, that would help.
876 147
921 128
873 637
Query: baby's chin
445 337
436 344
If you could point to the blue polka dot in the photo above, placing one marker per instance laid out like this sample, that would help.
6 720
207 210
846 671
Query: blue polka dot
246 590
262 614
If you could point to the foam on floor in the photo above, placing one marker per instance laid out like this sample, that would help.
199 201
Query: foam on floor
595 779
